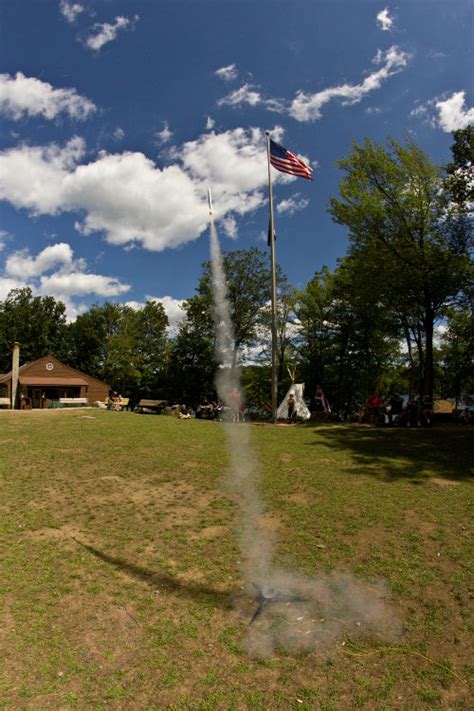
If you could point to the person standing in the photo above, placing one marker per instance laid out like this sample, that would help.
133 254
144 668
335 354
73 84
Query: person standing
374 404
321 403
291 407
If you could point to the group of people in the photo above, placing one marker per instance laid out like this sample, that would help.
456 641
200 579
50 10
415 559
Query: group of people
416 413
233 409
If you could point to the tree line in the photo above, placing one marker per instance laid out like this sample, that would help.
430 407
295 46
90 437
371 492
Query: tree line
370 322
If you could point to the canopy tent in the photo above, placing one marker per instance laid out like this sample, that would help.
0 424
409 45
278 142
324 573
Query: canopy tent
301 411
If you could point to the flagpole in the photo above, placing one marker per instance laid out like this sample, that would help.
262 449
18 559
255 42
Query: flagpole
273 292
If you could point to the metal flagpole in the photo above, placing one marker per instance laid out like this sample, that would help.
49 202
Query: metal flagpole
274 295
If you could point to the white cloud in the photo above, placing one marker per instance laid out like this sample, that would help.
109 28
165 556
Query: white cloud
227 73
385 20
293 204
70 10
448 114
26 96
452 113
244 95
129 199
119 134
69 284
307 107
68 277
248 95
4 236
35 177
165 135
102 33
7 284
210 123
229 225
21 265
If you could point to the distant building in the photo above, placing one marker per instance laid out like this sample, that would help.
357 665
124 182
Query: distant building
45 381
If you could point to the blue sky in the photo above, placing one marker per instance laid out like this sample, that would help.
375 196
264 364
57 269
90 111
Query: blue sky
116 115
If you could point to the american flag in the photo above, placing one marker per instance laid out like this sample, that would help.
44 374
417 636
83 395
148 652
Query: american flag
287 162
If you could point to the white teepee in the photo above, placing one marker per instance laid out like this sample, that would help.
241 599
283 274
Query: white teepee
301 411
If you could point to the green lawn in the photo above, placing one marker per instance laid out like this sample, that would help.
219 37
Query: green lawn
120 561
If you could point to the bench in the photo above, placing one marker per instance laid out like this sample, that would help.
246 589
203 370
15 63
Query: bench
5 402
150 407
73 402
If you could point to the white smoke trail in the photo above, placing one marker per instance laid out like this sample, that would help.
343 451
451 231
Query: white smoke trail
256 544
304 613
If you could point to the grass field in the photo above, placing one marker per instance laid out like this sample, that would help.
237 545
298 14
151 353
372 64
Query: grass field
119 561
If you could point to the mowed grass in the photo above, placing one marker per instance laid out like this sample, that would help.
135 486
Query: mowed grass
119 560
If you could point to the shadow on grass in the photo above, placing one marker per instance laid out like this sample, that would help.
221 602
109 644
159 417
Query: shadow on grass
410 454
163 581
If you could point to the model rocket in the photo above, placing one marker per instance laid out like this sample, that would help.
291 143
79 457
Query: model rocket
209 201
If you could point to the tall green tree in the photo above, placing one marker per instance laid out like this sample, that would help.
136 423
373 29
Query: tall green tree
457 355
38 323
401 224
125 347
192 363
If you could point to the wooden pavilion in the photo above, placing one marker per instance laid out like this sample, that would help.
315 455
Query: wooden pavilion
46 382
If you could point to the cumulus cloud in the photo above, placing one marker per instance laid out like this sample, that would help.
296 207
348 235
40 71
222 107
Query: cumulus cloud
79 284
26 96
449 114
227 73
452 113
55 272
307 107
295 203
70 10
129 199
23 266
7 284
385 20
105 32
119 134
210 123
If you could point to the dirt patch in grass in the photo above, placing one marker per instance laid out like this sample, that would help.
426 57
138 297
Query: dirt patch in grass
442 482
125 578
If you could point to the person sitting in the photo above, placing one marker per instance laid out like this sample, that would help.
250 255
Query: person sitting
184 413
465 417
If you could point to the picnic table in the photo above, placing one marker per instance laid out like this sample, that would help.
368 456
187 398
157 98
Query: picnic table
150 407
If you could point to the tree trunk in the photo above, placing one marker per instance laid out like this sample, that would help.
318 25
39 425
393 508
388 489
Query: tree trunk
427 384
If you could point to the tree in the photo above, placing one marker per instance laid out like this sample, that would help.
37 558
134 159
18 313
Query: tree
38 323
457 351
123 346
402 226
347 339
248 283
459 181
